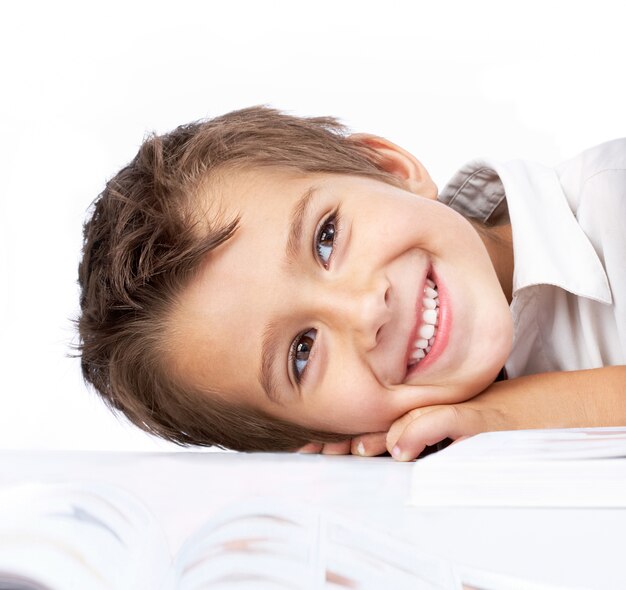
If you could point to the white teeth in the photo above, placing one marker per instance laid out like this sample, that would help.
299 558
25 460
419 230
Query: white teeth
417 354
429 303
427 331
430 316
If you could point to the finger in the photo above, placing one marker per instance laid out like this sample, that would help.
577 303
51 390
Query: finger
337 448
428 429
399 426
369 445
311 448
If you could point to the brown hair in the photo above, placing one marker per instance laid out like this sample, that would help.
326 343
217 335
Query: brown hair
142 247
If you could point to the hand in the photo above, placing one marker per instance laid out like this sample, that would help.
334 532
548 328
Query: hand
422 427
563 399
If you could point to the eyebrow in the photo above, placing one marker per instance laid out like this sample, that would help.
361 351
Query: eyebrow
296 223
273 334
269 351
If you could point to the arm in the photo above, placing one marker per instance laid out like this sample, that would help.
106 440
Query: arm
593 397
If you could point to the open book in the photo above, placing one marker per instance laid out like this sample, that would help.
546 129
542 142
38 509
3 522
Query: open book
95 536
571 467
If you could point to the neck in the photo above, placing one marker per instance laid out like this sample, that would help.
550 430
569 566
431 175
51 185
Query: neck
499 243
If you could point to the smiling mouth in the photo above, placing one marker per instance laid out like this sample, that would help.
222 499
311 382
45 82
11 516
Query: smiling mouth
428 323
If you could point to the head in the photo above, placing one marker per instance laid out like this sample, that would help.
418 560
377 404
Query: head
259 281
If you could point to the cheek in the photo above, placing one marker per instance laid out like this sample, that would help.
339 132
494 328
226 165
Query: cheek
364 406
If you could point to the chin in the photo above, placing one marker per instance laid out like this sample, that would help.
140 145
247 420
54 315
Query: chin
487 372
499 353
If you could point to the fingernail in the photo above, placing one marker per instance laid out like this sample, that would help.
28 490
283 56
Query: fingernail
360 448
396 452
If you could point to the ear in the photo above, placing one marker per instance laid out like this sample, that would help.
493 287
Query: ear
400 163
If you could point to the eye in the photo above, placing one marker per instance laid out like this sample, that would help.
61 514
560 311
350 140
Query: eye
299 352
325 238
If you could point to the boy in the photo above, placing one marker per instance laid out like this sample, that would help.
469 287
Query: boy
261 282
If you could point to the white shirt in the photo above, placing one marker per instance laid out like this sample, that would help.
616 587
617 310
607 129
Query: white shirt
569 246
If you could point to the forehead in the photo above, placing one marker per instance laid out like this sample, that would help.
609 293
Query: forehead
236 189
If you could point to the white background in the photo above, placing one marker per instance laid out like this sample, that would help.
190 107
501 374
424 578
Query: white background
81 83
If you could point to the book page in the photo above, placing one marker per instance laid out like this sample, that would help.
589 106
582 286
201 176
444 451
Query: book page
271 543
572 467
80 535
543 444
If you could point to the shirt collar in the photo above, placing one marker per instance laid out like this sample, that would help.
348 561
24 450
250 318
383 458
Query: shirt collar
549 246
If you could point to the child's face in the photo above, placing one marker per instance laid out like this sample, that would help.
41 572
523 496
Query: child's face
348 308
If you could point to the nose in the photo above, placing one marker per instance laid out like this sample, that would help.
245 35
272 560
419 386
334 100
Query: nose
359 309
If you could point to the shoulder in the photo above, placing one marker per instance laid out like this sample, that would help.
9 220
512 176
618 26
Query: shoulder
594 182
598 172
607 155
